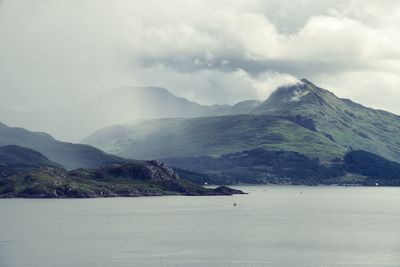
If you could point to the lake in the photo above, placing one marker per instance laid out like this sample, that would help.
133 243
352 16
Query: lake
271 226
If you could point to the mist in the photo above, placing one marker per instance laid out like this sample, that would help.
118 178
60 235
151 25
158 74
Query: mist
63 63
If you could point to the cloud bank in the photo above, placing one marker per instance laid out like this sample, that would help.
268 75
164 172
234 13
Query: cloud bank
57 53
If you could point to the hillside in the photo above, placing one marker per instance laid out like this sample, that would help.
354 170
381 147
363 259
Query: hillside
133 179
16 159
213 136
12 156
118 106
71 156
301 118
346 123
130 104
281 167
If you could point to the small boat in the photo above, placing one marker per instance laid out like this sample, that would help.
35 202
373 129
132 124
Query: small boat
234 204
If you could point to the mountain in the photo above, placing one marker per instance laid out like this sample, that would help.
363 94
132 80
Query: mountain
302 118
130 104
20 157
69 155
132 179
213 136
284 167
119 106
27 173
256 166
346 123
16 159
243 107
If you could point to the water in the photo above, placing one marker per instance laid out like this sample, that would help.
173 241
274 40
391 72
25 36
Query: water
271 226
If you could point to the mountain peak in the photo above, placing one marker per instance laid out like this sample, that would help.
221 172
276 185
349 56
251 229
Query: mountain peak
299 96
304 80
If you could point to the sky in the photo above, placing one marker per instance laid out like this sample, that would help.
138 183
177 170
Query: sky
54 54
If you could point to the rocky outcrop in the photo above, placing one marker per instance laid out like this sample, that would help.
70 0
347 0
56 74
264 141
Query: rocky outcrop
133 179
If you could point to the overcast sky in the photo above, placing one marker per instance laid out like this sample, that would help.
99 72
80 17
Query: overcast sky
56 53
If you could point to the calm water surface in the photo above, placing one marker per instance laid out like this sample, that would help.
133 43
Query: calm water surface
271 226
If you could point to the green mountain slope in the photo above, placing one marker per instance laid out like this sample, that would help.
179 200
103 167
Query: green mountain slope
69 155
303 118
16 159
345 122
20 157
281 167
214 136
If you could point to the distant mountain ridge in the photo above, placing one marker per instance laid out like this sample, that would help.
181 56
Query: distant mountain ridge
301 118
119 106
69 155
15 159
27 173
16 156
127 104
157 102
338 124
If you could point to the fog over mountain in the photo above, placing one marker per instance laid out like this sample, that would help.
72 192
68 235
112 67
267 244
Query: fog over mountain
58 55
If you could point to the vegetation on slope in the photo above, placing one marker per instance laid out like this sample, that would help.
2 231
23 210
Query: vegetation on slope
71 156
17 157
300 118
346 123
279 167
215 136
128 180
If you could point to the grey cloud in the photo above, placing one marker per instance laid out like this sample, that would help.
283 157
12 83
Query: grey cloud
296 67
55 54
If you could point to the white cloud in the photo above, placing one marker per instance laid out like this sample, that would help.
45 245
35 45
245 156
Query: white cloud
54 53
